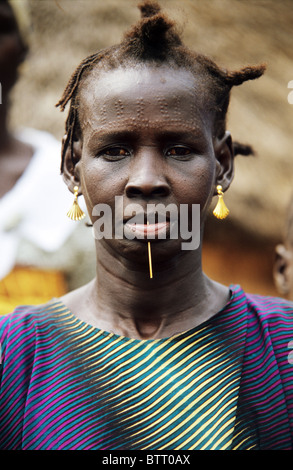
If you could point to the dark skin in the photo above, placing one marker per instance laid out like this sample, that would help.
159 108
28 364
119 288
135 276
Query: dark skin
149 139
283 269
14 155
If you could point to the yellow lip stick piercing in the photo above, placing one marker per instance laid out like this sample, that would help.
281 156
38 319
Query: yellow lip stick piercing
150 258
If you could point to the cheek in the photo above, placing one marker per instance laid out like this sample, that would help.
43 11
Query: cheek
197 183
99 183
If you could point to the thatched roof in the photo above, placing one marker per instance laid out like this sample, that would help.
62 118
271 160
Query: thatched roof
234 33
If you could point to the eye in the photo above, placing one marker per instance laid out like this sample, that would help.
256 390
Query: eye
179 151
114 153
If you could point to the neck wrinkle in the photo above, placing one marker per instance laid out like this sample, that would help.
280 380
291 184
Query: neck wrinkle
131 294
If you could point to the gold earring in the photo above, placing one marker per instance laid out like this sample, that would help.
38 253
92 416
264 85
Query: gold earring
75 212
220 211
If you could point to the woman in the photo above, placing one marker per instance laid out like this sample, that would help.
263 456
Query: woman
164 358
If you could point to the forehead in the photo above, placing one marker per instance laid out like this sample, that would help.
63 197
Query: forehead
141 93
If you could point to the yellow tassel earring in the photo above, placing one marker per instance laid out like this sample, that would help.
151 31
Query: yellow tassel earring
220 211
75 212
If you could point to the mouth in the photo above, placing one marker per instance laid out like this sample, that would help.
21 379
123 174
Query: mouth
149 231
147 228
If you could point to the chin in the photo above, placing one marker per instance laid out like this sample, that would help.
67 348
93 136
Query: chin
136 251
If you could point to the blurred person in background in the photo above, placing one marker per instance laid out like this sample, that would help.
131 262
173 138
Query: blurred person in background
283 267
40 251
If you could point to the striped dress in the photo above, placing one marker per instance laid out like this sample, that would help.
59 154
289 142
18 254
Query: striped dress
225 384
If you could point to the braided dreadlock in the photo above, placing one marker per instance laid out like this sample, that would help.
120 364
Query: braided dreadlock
155 40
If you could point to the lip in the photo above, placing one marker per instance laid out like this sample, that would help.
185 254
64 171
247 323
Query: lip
155 231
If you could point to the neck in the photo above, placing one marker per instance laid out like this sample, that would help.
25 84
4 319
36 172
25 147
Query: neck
125 300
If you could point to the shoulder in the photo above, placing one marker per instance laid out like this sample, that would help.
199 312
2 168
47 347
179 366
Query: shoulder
271 310
47 151
38 138
275 319
25 322
269 323
268 308
24 314
266 317
29 330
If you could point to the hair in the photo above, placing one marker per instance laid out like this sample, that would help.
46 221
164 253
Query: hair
155 40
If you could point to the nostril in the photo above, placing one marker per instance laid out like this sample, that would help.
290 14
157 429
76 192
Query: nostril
147 190
132 191
160 191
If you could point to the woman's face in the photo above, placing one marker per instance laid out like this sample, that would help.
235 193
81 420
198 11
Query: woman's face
147 137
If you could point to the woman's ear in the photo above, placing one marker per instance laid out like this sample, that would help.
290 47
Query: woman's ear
71 163
281 270
224 154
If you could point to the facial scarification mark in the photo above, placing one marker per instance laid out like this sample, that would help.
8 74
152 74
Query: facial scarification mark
192 104
103 115
119 108
140 108
137 47
176 111
163 105
144 123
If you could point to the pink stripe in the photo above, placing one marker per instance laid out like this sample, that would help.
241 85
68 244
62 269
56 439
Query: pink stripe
79 435
41 411
10 386
60 417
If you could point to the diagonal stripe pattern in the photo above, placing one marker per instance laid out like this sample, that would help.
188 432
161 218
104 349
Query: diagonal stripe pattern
226 384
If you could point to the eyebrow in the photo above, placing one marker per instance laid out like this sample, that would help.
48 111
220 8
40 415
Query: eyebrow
172 135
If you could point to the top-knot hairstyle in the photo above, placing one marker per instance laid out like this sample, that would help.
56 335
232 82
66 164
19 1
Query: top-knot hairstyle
155 40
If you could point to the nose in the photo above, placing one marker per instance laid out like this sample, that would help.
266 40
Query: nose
147 178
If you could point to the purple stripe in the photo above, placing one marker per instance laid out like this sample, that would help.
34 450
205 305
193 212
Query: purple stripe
80 434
